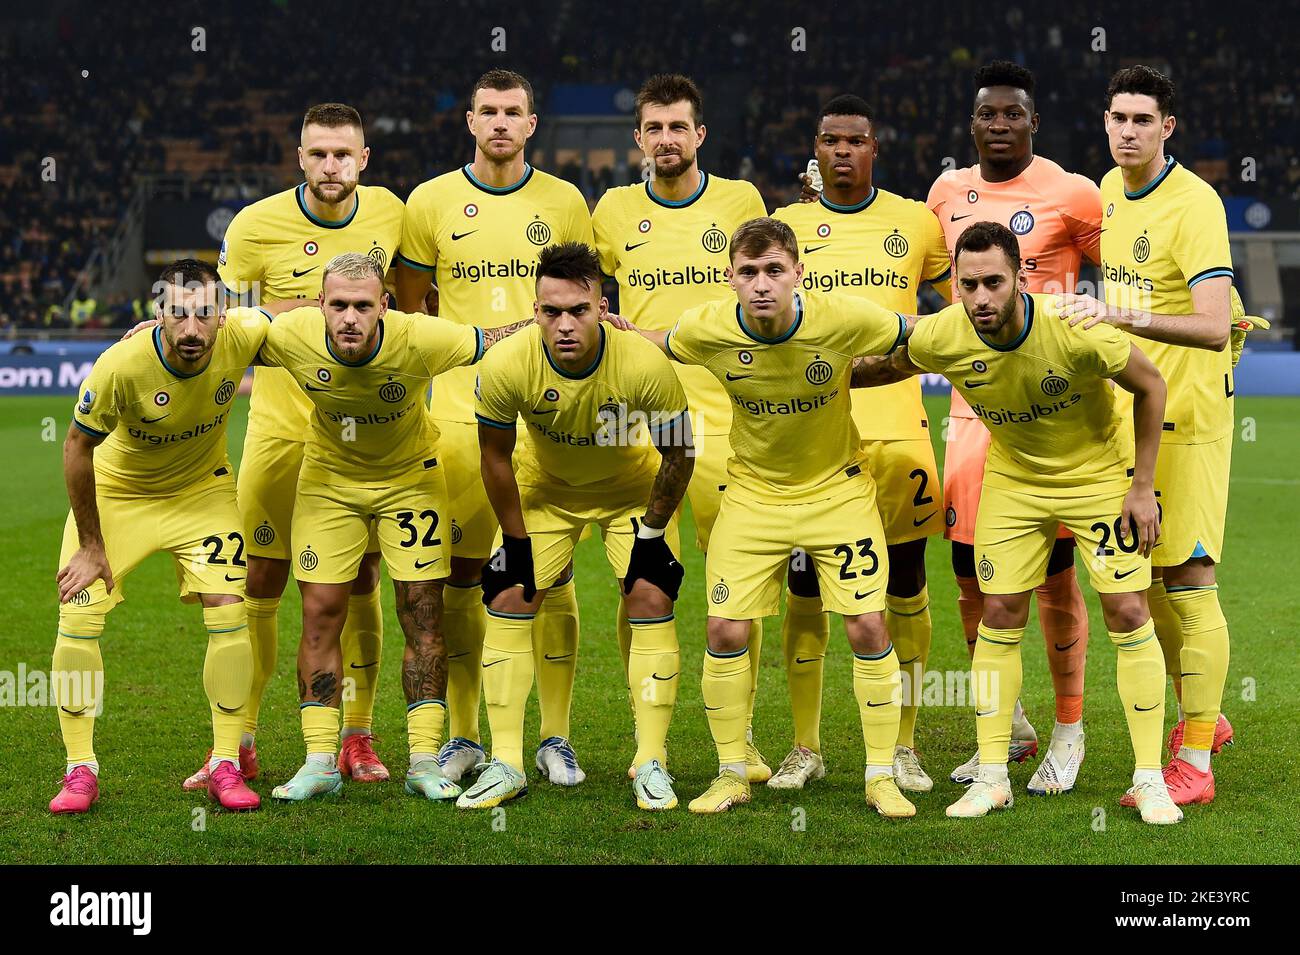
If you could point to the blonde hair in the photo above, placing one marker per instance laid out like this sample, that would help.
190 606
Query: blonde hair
353 265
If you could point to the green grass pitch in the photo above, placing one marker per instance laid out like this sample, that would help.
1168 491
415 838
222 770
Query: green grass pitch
155 725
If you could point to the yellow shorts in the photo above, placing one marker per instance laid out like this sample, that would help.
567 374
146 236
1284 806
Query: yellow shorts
1016 530
267 488
754 543
332 527
200 528
1192 488
907 488
708 481
557 519
473 523
965 452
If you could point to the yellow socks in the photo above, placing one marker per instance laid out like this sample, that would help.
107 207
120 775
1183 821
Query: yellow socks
726 688
654 665
362 645
507 679
996 677
78 686
1168 631
878 689
908 622
264 636
464 620
227 675
555 649
1203 661
805 634
424 727
320 728
1140 677
755 655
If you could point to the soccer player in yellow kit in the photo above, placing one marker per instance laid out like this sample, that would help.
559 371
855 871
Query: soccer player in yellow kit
665 242
861 240
1168 283
1062 453
475 232
798 477
146 467
273 252
597 406
371 464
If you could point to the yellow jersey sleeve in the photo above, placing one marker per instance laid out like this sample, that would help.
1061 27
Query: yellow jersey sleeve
496 402
419 248
96 411
604 224
1102 351
239 263
445 345
656 392
937 266
689 341
865 328
1201 248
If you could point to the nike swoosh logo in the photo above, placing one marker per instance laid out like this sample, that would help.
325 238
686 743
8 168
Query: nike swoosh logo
298 275
885 703
1145 709
903 663
959 218
366 666
629 248
989 713
227 709
731 377
858 596
421 564
810 251
457 236
656 676
918 523
310 387
974 384
231 580
545 410
1119 576
1062 649
712 708
73 712
494 663
457 656
806 659
562 656
152 420
1190 674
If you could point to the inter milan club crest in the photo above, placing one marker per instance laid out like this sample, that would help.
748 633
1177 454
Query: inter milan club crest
1142 248
819 371
379 257
456 533
720 593
985 569
1022 223
1054 385
392 391
80 599
896 244
538 232
308 560
714 239
225 392
264 534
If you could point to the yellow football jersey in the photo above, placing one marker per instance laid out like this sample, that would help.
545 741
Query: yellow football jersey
276 249
881 249
1045 397
165 431
589 430
669 257
792 427
368 425
1156 244
481 243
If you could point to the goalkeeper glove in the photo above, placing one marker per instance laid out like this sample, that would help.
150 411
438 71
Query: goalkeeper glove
1241 324
652 560
510 565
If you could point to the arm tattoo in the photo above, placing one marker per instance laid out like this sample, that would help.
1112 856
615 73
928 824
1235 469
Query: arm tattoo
493 335
424 663
670 484
878 370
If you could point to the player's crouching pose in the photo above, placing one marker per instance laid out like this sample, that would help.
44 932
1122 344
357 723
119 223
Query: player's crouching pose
146 468
371 457
597 405
797 478
1061 453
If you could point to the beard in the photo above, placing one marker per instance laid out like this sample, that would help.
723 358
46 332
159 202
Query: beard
322 196
1005 314
672 166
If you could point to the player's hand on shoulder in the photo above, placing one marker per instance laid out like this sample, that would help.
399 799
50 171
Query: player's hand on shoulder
621 323
509 566
1086 309
139 327
87 565
807 191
